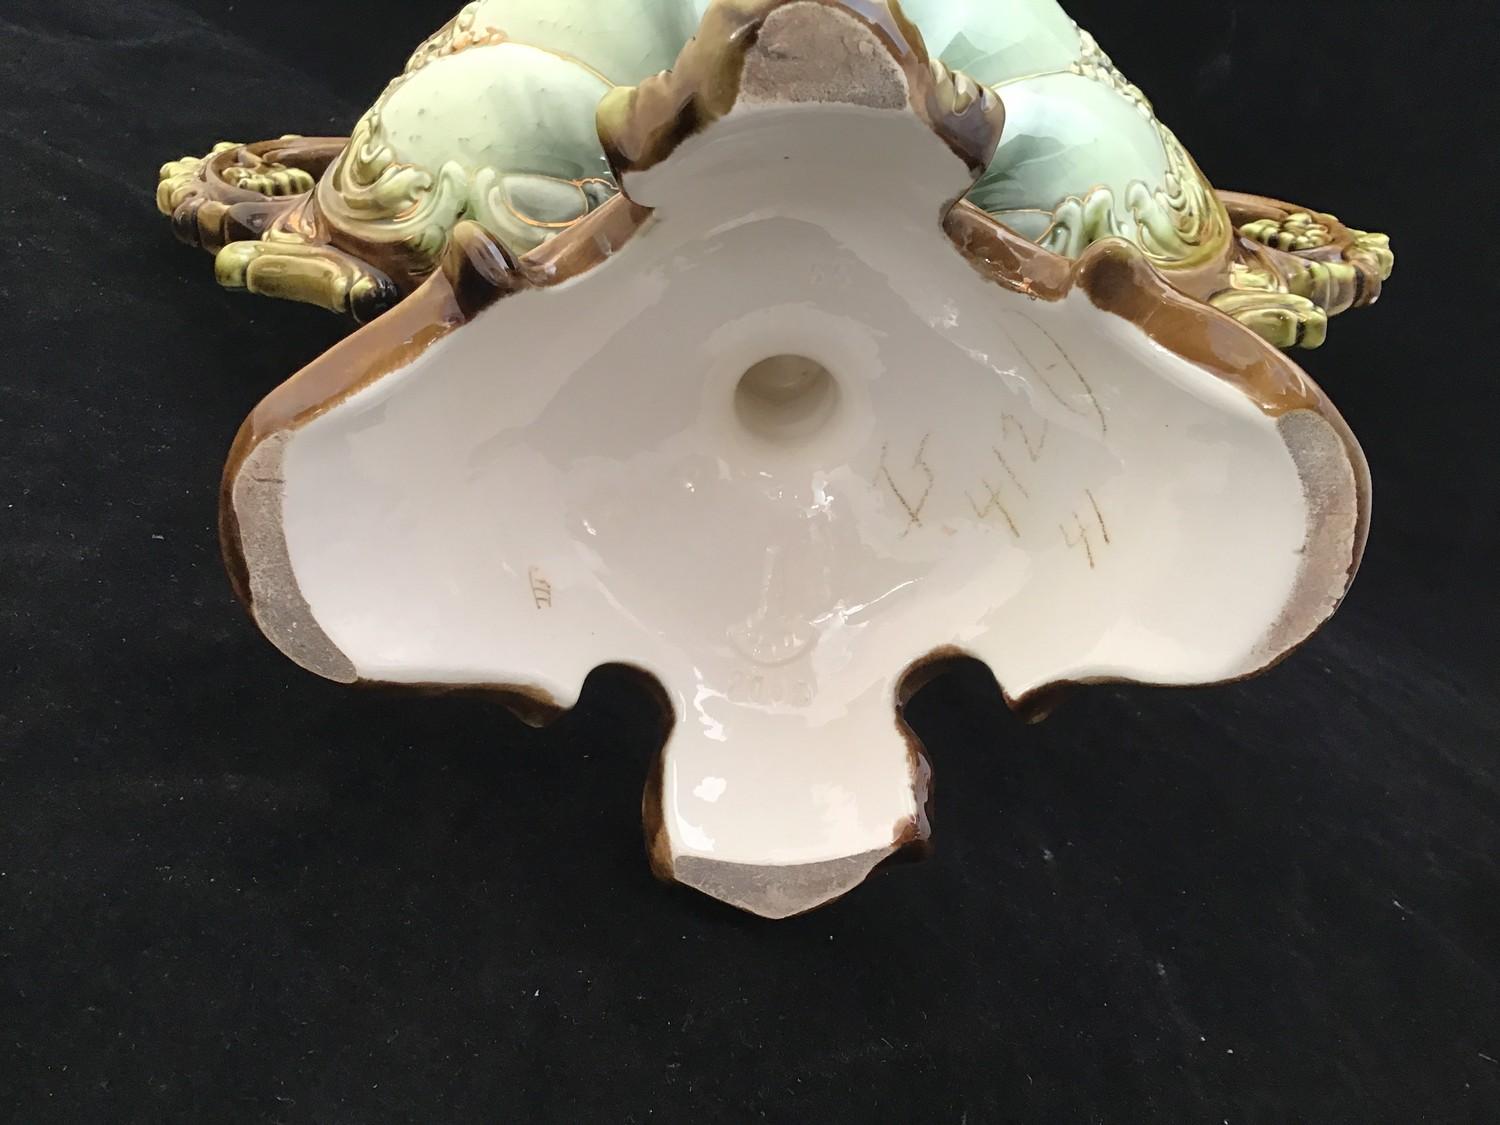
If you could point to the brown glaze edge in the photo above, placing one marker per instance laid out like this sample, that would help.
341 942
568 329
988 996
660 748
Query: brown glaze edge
911 836
1116 277
1244 207
1114 274
476 272
217 212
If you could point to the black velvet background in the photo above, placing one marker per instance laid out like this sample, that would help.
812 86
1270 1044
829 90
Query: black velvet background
230 891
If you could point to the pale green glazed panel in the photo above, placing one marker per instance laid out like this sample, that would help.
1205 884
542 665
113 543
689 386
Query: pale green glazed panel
994 41
506 106
503 101
494 119
1065 134
624 40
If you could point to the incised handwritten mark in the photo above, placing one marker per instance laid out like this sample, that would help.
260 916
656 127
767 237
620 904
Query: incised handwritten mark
1010 423
994 504
541 589
1082 538
1043 373
1015 480
912 508
1098 515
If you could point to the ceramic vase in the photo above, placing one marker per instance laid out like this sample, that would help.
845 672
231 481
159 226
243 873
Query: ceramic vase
781 351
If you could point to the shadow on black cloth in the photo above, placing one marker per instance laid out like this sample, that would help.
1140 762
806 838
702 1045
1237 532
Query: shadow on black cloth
231 892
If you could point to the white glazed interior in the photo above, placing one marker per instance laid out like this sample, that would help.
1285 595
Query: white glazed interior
568 481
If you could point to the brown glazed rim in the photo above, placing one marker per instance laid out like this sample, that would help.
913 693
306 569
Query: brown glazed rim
477 271
1245 207
311 154
219 212
1343 243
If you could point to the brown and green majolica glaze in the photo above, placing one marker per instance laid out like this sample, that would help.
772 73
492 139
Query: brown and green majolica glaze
493 120
1055 457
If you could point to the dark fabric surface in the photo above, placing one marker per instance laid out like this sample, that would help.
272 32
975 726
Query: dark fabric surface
230 891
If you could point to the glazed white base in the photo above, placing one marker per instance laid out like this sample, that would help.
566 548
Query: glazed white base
582 474
568 482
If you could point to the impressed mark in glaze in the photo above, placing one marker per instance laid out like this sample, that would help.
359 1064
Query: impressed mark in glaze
769 687
776 635
541 589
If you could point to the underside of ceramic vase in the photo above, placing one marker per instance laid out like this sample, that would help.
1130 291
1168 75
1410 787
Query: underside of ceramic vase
778 445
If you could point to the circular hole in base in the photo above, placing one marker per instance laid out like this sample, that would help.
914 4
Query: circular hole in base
786 397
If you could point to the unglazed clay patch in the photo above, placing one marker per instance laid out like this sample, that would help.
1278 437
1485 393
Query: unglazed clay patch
782 447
